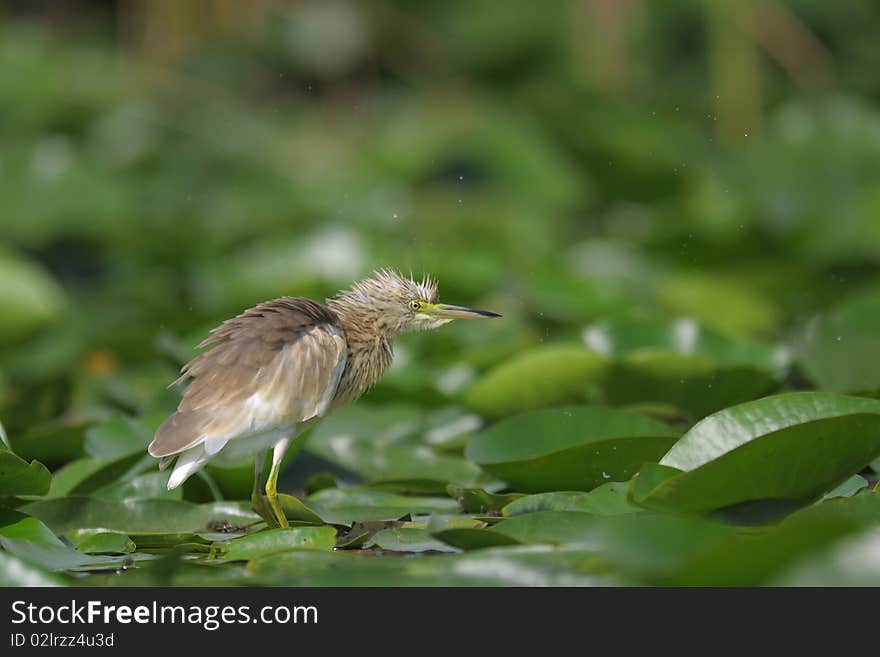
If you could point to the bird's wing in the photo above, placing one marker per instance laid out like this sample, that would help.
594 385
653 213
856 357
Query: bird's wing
277 363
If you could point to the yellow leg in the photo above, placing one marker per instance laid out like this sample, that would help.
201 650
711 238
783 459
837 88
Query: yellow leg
258 502
272 482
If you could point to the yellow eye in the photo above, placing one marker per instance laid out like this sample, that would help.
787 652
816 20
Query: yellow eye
415 306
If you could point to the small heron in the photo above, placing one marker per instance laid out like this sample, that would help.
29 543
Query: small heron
273 370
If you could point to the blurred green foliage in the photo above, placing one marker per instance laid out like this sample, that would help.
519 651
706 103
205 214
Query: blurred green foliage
676 206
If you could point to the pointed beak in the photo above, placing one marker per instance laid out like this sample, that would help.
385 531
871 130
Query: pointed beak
445 311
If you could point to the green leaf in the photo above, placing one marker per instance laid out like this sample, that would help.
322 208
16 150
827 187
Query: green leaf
53 443
68 514
681 364
840 350
120 436
18 477
505 566
96 541
473 538
847 488
691 383
29 296
755 560
407 539
622 338
272 541
15 572
607 500
554 527
550 375
29 539
4 439
577 448
344 506
477 500
725 303
790 447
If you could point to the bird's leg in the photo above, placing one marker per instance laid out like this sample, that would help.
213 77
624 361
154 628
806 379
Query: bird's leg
272 483
258 502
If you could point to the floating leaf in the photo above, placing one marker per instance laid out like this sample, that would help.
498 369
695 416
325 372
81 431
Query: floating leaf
477 500
577 448
790 447
550 375
29 539
272 541
555 527
29 296
507 566
407 539
91 541
68 514
18 477
840 350
607 500
17 572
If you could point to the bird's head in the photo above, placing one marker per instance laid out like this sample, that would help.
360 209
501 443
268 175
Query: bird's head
397 303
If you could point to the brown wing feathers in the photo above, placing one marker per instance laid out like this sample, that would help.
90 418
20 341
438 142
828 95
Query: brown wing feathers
273 361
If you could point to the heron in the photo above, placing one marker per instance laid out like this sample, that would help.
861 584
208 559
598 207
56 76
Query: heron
268 374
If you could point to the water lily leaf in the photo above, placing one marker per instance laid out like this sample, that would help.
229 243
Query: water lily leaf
691 383
621 338
18 477
91 541
682 365
150 485
398 461
15 572
607 500
755 560
505 566
120 436
554 527
840 350
29 539
407 539
550 375
477 500
791 447
576 448
473 538
68 514
297 511
272 541
846 488
53 443
29 296
345 506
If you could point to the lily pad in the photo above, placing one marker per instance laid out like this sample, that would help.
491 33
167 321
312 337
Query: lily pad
576 448
407 539
272 541
791 447
29 539
90 541
68 514
18 477
477 500
607 500
550 375
840 350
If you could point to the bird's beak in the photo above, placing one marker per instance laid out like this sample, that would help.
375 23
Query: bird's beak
445 311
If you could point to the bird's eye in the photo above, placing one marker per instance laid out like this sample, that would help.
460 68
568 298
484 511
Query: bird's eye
415 305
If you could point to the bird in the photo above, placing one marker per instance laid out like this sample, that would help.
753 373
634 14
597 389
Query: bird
271 372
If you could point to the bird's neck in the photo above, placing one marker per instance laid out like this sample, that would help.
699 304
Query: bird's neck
370 348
